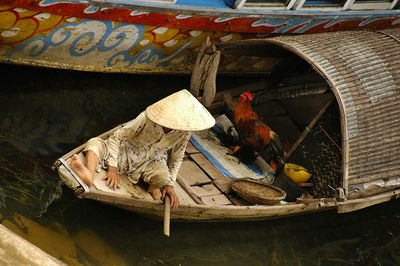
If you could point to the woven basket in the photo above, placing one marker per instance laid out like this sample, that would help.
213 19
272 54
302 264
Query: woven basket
256 192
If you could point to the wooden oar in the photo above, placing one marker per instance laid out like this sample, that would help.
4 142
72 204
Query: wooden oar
167 208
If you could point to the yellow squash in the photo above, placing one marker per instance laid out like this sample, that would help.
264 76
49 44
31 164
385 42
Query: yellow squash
297 173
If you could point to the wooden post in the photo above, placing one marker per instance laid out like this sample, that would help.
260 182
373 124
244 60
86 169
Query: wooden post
204 73
167 209
195 81
209 83
308 128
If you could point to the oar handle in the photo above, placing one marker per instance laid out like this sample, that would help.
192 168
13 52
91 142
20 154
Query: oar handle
167 209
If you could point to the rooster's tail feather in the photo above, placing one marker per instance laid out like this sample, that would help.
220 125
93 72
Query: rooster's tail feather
275 146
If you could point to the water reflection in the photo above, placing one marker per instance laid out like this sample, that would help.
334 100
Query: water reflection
46 113
26 184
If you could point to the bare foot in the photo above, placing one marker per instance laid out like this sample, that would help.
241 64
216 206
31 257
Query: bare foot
156 194
81 170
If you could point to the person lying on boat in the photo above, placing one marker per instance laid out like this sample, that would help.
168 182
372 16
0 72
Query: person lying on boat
150 148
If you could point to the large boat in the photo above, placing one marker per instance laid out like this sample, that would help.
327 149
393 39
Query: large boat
163 36
333 96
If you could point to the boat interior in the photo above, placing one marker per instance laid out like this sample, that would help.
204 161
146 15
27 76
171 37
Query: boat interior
296 102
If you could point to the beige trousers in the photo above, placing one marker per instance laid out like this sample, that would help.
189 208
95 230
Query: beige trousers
156 173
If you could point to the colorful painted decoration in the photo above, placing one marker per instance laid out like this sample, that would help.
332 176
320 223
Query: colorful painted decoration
121 38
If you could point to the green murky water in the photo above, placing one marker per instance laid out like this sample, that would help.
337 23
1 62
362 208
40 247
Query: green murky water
45 113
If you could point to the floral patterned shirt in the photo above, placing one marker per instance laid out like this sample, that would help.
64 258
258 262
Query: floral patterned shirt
140 142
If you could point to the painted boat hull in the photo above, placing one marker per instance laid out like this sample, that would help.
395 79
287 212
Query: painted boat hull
94 36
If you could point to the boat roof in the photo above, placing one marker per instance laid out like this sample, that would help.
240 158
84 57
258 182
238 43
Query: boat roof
362 69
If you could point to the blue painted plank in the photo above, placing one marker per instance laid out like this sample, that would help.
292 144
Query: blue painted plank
203 3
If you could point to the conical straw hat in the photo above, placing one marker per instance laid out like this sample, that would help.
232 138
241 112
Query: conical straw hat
182 111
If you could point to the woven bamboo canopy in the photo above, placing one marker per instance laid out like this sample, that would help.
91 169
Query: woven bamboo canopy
362 69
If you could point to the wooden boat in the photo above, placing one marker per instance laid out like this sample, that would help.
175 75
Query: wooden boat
163 36
334 96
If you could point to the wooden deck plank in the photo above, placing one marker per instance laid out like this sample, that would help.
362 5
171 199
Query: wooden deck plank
192 174
188 189
223 184
238 201
211 194
206 165
191 149
184 197
219 199
206 190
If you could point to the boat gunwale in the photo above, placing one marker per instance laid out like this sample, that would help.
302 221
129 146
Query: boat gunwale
207 212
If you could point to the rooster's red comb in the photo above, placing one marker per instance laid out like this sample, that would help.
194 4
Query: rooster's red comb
247 96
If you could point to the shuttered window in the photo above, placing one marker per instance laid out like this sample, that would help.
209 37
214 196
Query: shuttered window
315 4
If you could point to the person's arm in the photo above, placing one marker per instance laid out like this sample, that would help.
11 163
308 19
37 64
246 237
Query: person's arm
176 157
128 131
174 163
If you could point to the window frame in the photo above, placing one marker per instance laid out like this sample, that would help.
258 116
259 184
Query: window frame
380 5
241 4
159 1
299 4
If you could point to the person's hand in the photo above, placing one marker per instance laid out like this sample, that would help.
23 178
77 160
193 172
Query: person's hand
112 178
156 194
172 195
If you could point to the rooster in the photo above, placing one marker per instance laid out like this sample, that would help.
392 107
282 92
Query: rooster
254 132
229 138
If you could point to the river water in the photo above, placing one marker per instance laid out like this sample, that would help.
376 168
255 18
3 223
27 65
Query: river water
44 113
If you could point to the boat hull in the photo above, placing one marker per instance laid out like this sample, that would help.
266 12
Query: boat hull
49 40
149 39
209 213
